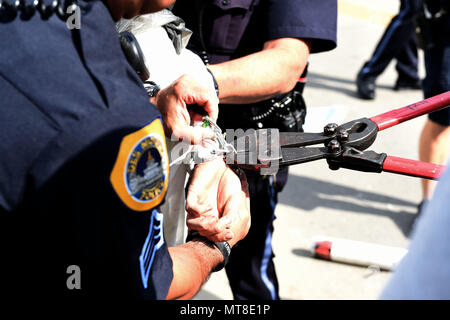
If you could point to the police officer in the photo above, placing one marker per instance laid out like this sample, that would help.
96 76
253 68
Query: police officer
83 166
399 42
257 50
434 143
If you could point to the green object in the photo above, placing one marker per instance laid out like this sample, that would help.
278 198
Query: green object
206 123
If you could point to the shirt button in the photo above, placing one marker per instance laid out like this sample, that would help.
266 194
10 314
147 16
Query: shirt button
225 2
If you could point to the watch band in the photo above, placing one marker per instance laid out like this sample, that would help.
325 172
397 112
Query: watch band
224 248
152 88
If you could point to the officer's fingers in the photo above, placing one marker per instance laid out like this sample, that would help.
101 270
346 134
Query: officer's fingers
233 201
216 234
211 111
222 230
193 135
206 224
174 113
211 227
240 215
225 235
230 210
229 185
212 107
209 101
197 203
204 97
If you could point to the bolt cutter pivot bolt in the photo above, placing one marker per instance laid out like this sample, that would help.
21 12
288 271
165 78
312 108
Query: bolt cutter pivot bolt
343 135
334 146
330 129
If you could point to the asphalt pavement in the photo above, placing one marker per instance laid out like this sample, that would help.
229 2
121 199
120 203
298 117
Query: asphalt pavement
369 207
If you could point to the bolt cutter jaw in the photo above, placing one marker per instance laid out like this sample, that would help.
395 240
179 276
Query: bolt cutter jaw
265 146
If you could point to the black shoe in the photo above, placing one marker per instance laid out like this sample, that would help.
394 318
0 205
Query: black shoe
366 87
408 84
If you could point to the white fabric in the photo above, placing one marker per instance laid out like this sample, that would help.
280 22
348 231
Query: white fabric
175 230
162 61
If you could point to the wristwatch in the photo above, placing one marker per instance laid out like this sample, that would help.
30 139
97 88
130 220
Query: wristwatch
224 247
151 88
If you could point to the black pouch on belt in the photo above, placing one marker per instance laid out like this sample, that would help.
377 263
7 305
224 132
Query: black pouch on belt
285 112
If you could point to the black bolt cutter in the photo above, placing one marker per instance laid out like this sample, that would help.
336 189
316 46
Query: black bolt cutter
342 146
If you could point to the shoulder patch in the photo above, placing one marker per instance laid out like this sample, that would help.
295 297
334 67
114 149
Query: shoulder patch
141 173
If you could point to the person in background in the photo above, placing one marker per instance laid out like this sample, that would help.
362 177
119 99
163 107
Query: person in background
398 42
434 143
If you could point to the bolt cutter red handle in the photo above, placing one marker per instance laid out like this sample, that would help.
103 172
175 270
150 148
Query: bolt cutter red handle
394 117
391 118
413 168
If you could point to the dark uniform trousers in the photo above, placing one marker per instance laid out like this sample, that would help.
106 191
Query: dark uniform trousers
437 65
399 42
251 271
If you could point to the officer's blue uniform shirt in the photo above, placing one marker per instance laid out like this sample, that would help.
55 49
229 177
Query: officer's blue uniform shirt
229 29
83 164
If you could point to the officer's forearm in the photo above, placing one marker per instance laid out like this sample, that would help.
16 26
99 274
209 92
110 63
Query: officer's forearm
261 75
192 264
127 9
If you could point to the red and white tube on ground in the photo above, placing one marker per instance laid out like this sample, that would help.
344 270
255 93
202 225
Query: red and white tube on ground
357 252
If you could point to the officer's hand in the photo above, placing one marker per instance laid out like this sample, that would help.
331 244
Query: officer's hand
217 203
233 202
172 103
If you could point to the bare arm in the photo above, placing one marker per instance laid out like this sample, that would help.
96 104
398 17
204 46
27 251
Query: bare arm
129 8
261 75
192 264
193 261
